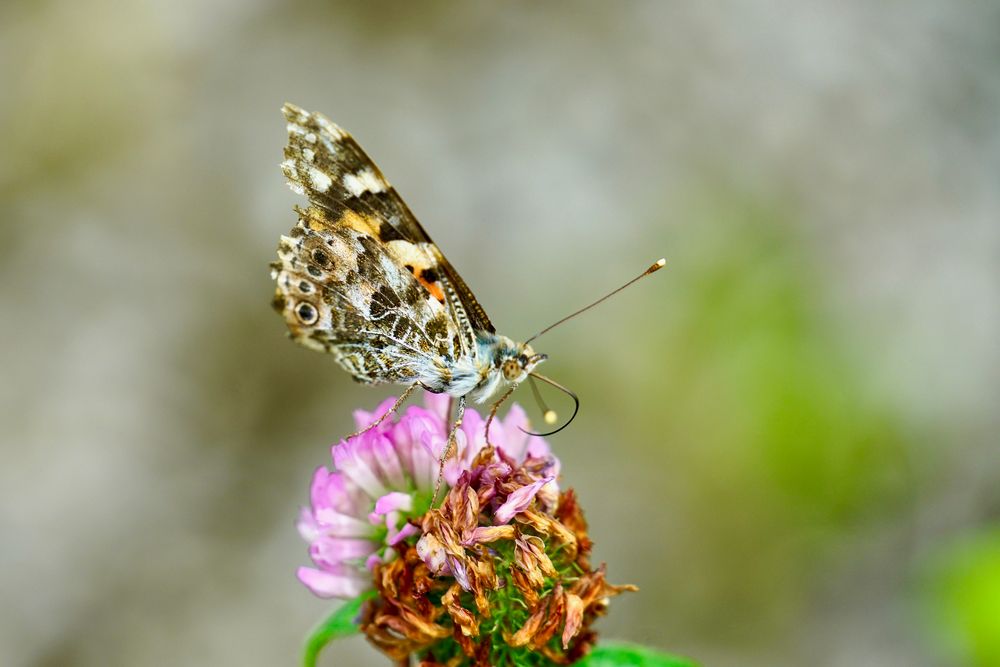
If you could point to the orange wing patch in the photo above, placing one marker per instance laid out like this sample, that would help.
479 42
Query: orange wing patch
420 263
423 277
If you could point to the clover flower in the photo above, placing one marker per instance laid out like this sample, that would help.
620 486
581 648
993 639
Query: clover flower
499 574
366 507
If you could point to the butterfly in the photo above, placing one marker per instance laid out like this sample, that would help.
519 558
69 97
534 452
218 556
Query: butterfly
358 277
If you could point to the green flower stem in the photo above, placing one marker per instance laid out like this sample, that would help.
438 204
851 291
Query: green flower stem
342 622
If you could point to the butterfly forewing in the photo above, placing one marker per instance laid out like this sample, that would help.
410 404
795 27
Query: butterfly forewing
325 163
358 276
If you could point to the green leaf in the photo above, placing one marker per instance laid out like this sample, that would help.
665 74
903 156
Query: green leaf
615 654
341 623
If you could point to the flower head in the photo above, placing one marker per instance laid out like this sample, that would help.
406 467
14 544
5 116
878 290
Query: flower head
500 569
365 508
500 572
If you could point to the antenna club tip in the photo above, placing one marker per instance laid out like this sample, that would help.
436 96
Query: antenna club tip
657 265
550 417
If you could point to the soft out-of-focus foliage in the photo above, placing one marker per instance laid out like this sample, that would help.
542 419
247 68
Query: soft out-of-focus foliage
779 431
613 655
765 412
963 597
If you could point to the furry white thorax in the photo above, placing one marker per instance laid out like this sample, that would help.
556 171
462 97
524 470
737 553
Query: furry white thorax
480 375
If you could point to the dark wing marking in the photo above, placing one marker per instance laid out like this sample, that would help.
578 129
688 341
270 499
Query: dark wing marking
340 291
327 164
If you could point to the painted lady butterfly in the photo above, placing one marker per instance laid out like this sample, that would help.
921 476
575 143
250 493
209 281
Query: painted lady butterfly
359 278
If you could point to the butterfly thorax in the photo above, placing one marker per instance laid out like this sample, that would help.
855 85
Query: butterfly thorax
495 363
503 362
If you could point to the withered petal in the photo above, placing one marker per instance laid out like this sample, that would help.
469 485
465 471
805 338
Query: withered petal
527 631
574 618
488 534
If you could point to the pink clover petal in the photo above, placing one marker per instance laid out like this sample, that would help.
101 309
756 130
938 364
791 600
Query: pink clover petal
438 404
425 419
402 443
375 559
458 571
388 462
335 524
328 551
495 471
397 501
519 501
349 457
539 449
419 430
363 419
307 526
408 530
334 490
327 585
318 494
372 562
392 527
474 426
458 462
466 450
424 432
515 441
432 444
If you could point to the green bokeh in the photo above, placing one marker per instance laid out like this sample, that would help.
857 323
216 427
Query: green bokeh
962 598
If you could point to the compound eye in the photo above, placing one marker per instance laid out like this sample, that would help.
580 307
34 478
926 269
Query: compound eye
511 369
306 313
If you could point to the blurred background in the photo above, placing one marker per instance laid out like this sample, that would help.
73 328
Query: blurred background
788 438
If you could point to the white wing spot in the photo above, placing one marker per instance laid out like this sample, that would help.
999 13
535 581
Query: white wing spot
288 168
364 181
310 137
330 128
320 181
297 188
309 154
296 129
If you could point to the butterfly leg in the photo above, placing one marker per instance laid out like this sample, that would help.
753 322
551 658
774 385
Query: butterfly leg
395 406
448 448
493 413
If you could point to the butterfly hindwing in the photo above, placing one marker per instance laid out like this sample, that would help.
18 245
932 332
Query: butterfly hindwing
342 291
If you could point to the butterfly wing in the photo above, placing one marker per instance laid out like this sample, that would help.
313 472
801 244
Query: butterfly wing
358 277
343 291
326 163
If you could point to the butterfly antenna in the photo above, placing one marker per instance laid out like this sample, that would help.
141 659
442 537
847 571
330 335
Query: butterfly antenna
656 266
548 415
576 404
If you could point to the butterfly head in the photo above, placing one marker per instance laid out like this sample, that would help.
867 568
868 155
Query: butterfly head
521 361
504 362
513 363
